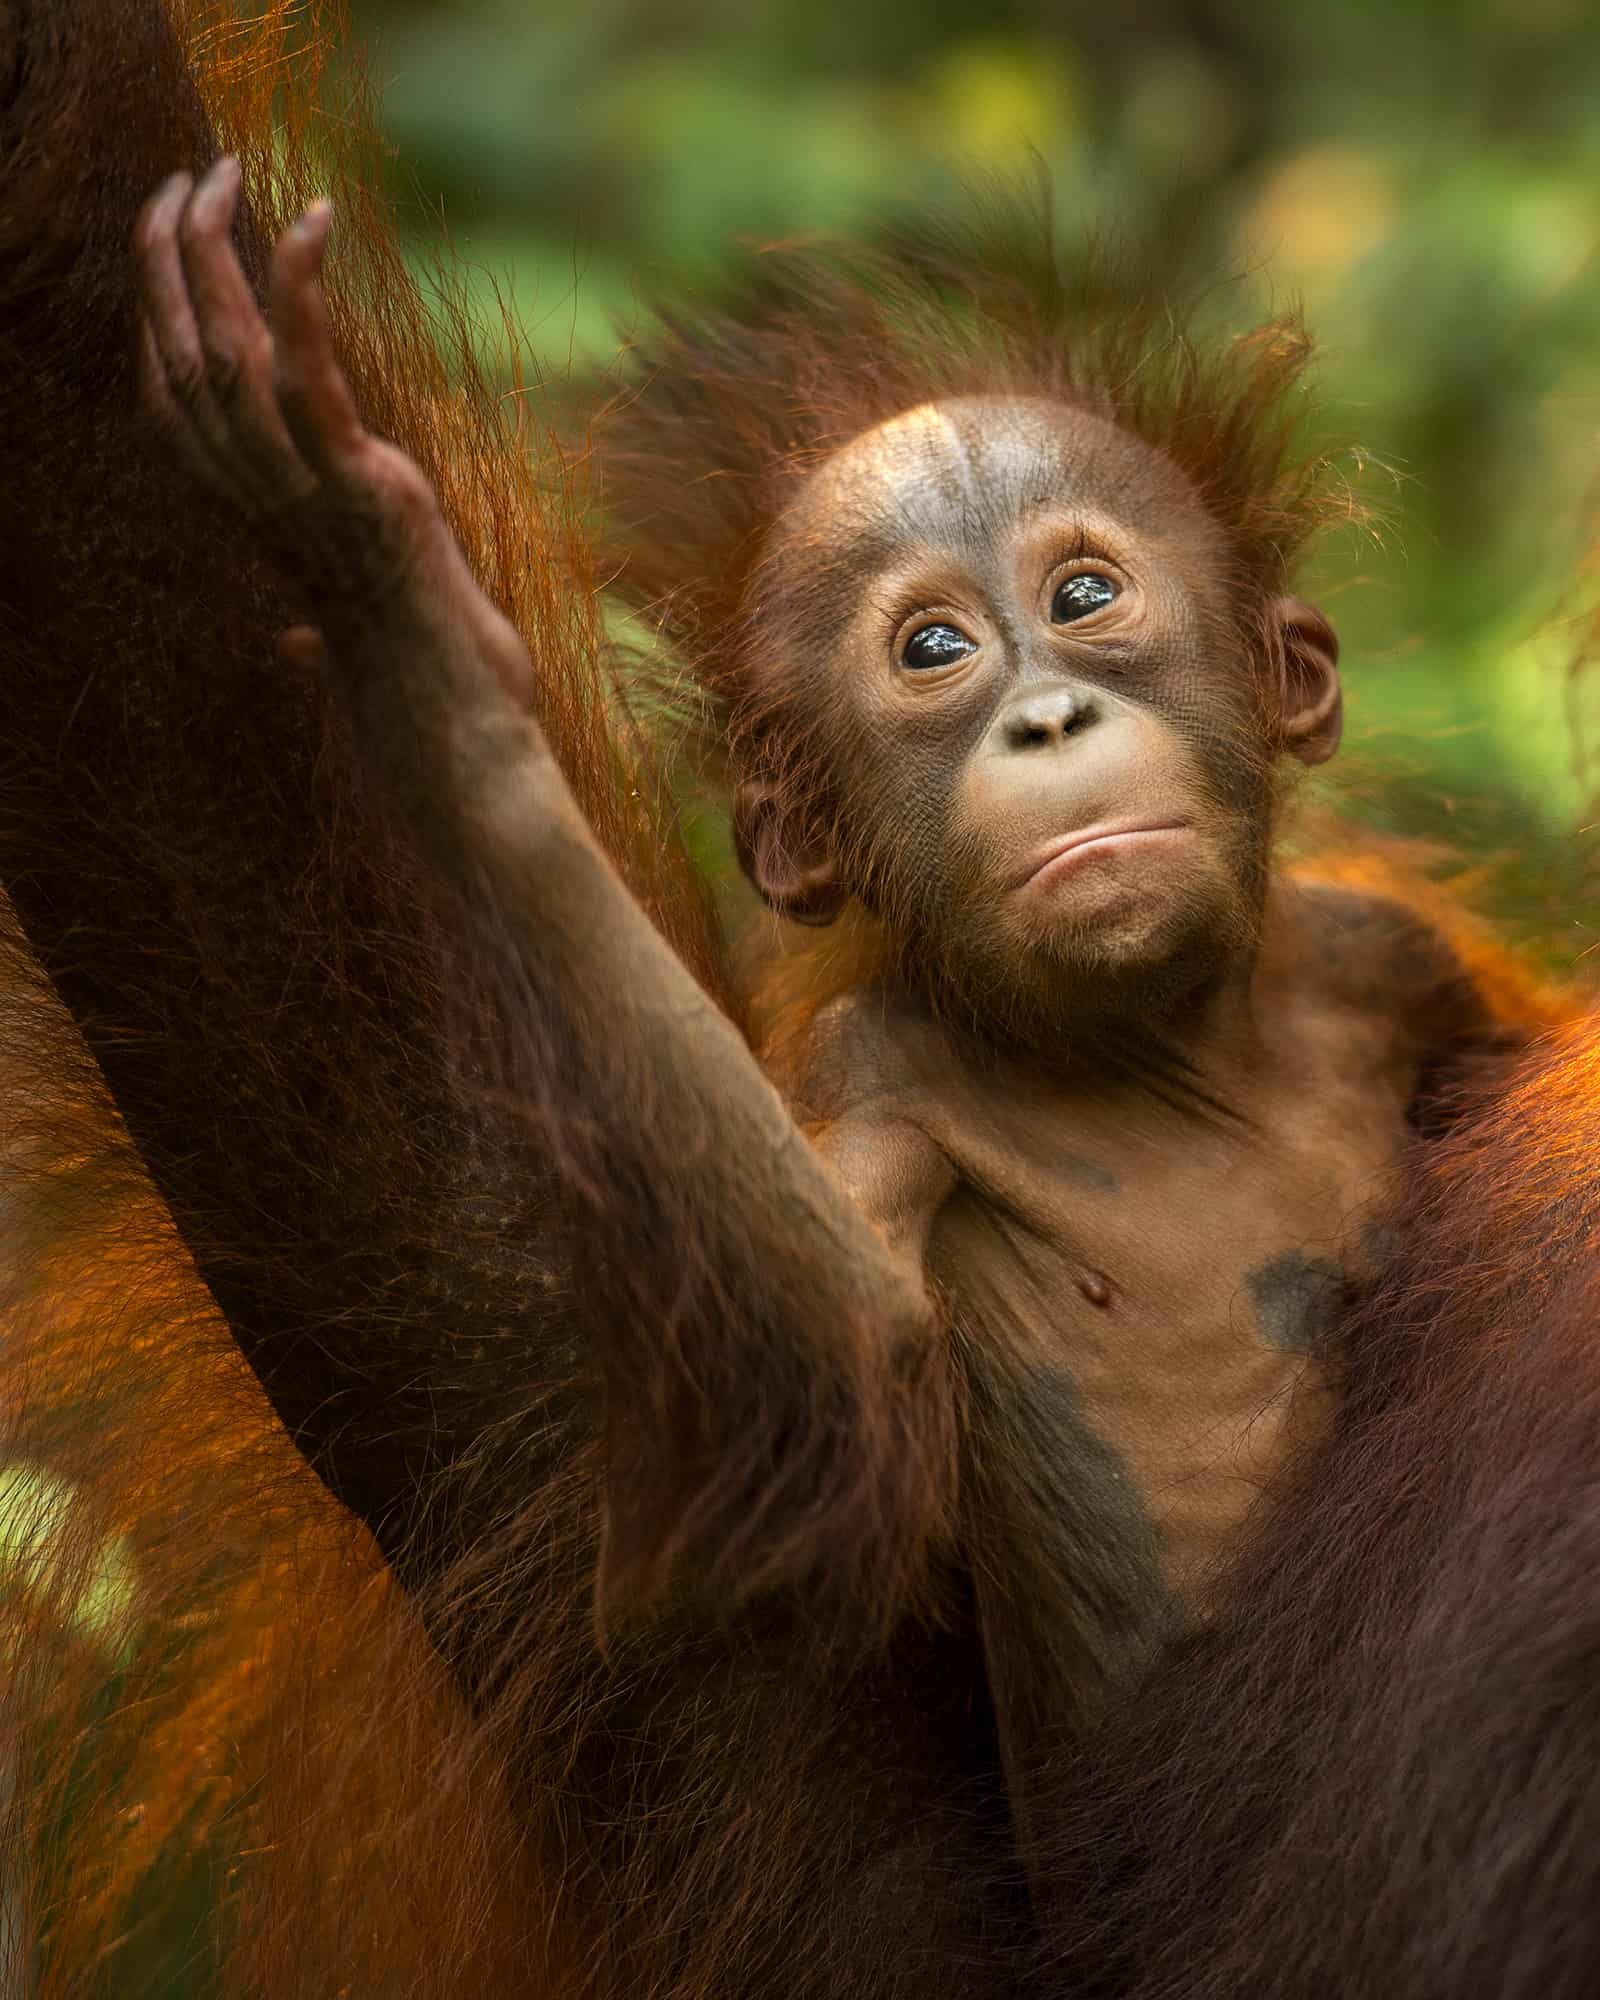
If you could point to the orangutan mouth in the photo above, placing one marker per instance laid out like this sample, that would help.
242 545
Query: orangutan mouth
1064 852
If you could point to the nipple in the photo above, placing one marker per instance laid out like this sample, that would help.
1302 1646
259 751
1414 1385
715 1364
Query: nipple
1095 1287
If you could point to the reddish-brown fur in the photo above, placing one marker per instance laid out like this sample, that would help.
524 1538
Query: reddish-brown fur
423 1252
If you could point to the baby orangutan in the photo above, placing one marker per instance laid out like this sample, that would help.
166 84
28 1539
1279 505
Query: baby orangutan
1016 637
1094 1152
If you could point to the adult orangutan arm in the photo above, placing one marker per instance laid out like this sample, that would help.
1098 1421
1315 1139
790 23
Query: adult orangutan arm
180 842
778 1392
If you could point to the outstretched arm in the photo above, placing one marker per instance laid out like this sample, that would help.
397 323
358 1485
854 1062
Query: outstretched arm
779 1403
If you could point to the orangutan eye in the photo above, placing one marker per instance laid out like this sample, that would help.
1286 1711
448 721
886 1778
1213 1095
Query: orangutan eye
936 646
1079 595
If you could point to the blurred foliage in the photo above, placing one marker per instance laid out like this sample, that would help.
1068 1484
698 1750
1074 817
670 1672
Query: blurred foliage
1422 173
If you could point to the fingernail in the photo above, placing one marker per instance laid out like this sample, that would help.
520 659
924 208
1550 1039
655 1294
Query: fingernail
315 225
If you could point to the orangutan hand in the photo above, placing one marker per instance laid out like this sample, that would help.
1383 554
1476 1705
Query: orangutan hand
259 408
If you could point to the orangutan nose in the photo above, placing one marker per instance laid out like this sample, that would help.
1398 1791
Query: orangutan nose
1044 718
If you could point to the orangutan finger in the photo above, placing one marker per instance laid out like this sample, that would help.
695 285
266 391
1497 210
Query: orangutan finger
169 314
313 393
235 344
170 418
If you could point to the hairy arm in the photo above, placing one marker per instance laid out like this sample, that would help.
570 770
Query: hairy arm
180 842
778 1402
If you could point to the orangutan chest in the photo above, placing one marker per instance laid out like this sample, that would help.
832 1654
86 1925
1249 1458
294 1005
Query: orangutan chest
1188 1311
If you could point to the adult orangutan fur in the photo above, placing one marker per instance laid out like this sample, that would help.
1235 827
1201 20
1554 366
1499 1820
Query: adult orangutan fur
389 1739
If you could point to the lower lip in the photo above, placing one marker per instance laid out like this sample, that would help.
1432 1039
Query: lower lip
1098 843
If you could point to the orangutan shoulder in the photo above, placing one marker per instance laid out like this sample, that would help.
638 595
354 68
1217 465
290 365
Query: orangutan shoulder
1380 956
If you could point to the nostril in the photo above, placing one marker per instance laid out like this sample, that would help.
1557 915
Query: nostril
1048 720
1078 711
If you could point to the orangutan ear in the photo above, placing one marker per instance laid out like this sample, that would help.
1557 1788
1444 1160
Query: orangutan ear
1312 717
787 855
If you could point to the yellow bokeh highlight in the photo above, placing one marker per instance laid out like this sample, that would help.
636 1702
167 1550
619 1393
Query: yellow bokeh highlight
994 103
1317 212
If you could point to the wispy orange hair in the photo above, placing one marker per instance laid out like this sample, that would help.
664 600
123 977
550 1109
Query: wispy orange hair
724 409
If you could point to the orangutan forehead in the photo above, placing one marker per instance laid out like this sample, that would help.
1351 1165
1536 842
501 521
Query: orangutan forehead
947 470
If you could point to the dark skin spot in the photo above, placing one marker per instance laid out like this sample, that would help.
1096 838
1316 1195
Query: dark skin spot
1088 1173
1298 1299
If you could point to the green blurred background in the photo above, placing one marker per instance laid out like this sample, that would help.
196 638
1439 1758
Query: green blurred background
1423 174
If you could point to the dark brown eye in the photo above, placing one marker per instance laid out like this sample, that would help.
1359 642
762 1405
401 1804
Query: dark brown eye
936 646
1079 595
